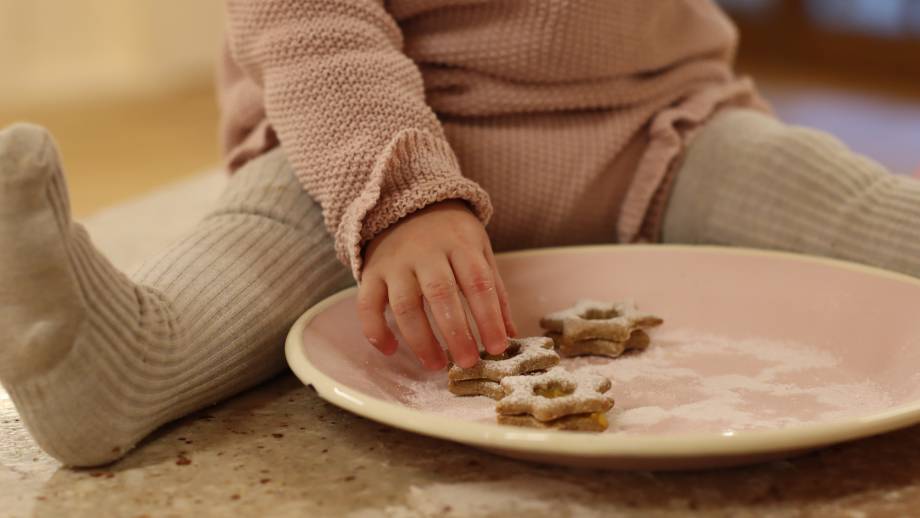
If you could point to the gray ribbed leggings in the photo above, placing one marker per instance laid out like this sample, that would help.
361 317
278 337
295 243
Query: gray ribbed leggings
749 180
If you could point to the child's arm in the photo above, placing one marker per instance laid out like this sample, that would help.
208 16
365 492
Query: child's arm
349 108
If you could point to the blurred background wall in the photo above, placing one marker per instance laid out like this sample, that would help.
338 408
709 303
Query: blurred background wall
850 67
72 50
126 85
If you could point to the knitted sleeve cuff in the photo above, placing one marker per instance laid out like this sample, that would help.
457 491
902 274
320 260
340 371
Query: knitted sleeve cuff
414 170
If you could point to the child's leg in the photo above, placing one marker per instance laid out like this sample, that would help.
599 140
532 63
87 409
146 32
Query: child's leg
95 360
748 180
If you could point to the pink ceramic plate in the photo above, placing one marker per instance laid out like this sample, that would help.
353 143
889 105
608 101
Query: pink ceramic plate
762 355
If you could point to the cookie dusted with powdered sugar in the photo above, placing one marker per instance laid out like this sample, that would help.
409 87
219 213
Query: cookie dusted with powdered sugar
554 394
523 355
591 319
638 340
479 387
593 422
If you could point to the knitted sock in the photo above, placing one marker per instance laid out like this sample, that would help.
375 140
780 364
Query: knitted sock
749 180
95 360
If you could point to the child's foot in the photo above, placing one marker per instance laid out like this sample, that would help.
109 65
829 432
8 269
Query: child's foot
72 328
94 361
39 314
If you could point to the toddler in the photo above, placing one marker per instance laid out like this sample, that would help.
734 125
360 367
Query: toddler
374 141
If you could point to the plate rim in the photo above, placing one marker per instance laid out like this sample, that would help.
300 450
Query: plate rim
673 445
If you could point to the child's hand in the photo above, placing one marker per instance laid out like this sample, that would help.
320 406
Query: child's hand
436 253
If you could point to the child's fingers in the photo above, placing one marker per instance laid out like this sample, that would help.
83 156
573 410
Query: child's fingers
372 302
406 302
502 294
439 288
478 285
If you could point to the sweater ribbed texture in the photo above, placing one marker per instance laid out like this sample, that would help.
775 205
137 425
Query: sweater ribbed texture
563 115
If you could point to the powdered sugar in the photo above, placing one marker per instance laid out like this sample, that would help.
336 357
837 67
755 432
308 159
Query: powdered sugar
431 395
586 393
590 319
692 381
523 355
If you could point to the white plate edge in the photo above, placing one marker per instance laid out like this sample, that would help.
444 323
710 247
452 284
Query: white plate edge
686 445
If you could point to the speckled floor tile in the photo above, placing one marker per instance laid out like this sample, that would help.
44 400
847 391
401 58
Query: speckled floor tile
279 450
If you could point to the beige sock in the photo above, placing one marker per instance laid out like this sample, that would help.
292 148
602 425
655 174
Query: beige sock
749 180
95 360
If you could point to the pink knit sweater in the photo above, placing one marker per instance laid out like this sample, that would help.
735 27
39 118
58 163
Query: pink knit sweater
557 119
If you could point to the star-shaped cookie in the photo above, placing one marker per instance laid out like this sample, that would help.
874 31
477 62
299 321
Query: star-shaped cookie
523 355
591 320
638 340
554 394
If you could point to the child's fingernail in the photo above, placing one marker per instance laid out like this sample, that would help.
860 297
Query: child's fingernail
385 347
435 363
497 347
465 360
469 362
